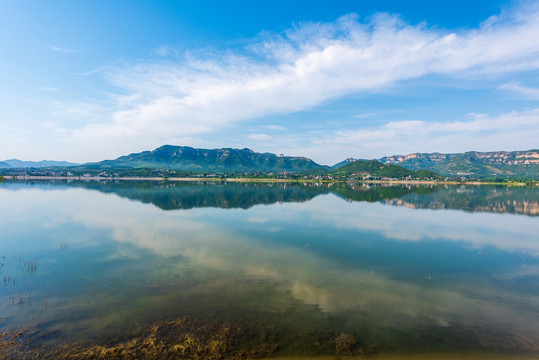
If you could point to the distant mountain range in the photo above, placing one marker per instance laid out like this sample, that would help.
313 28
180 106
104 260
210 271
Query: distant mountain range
504 164
472 164
19 164
208 160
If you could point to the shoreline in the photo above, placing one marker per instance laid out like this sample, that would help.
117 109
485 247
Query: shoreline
260 180
417 356
195 339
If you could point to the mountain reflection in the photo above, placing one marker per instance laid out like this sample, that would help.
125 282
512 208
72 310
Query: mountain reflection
188 195
492 199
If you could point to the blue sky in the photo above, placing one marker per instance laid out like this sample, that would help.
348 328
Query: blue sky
92 80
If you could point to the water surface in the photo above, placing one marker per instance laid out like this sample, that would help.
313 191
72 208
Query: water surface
399 270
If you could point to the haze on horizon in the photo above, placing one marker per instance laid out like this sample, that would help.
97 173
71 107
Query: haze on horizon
92 80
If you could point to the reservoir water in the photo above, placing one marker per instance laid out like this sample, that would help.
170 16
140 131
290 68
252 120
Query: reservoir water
237 270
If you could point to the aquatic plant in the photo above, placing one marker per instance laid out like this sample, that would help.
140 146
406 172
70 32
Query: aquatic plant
344 343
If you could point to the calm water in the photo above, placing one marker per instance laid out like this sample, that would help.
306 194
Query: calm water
401 269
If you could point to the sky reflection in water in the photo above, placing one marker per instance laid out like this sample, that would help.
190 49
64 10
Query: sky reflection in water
90 258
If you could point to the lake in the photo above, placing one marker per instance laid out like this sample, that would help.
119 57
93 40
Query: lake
142 269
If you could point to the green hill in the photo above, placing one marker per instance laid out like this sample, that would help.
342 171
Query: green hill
373 168
209 160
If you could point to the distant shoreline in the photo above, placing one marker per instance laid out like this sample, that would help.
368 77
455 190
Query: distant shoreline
261 180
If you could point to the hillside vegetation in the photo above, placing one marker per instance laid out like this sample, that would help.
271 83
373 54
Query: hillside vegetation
373 168
181 161
204 160
498 164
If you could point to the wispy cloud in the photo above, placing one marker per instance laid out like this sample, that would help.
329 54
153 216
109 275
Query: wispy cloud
166 51
377 113
48 88
309 65
273 127
516 130
84 110
366 115
305 67
527 92
510 131
62 50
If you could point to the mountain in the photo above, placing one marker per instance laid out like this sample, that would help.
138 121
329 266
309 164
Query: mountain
344 162
209 160
168 158
378 169
472 164
15 163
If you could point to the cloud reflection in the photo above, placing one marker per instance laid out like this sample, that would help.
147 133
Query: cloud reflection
234 247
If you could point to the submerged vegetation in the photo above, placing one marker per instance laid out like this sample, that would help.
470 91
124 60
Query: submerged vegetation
195 339
189 338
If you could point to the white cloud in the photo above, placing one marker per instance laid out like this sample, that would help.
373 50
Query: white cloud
273 127
511 131
305 67
516 130
528 92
